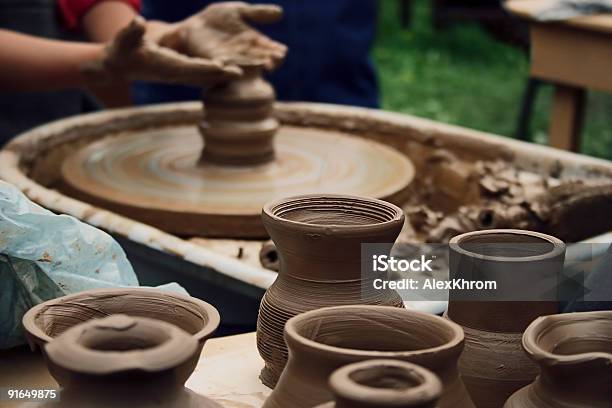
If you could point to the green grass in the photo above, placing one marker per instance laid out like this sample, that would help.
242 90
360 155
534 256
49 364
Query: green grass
466 77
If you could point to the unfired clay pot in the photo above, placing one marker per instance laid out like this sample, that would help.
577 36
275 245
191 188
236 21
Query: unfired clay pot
51 318
384 384
318 238
574 352
493 364
238 126
320 341
123 361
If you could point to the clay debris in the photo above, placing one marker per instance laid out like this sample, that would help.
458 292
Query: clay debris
511 198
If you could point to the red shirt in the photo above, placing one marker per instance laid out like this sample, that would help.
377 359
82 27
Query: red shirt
73 10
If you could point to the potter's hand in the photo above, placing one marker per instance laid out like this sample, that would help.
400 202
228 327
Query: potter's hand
220 32
135 55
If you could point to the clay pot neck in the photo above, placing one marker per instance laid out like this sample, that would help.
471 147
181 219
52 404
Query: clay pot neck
514 259
385 383
574 352
122 354
319 237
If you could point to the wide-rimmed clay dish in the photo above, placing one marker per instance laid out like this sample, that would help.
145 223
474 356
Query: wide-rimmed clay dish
51 318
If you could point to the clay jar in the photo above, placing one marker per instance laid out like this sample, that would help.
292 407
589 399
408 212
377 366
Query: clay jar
318 238
122 361
238 126
320 341
493 365
51 318
574 352
384 384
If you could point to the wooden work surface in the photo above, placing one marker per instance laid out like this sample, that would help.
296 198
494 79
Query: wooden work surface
574 54
228 371
529 8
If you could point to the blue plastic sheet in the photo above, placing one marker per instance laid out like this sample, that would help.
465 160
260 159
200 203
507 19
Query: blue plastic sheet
44 256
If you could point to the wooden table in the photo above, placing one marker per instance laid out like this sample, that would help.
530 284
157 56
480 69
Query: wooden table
575 55
228 372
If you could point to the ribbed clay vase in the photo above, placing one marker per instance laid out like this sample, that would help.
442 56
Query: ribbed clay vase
493 364
123 361
49 319
318 238
323 340
574 352
384 384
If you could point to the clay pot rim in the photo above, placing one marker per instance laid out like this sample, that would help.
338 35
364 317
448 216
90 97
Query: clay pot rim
557 250
544 324
428 388
268 211
29 318
454 345
68 351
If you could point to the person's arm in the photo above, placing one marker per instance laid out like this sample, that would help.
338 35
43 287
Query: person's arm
199 51
115 14
33 63
101 23
105 19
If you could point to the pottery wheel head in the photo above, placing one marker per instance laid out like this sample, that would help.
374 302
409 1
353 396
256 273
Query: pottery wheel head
120 343
154 176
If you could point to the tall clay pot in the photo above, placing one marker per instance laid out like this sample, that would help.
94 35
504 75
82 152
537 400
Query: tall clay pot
574 352
320 341
318 238
123 361
494 365
384 384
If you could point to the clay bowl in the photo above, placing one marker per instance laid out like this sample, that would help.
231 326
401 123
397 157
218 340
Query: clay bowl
48 320
323 340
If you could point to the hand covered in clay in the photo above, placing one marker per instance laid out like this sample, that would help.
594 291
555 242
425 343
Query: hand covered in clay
134 54
221 33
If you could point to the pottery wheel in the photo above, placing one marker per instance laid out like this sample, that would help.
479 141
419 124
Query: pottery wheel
153 176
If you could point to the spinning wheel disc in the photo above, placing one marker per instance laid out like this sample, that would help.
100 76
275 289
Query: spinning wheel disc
154 176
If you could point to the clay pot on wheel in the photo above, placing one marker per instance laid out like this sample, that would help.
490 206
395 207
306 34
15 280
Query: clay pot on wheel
384 384
49 319
123 361
323 340
239 127
493 364
318 238
574 352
